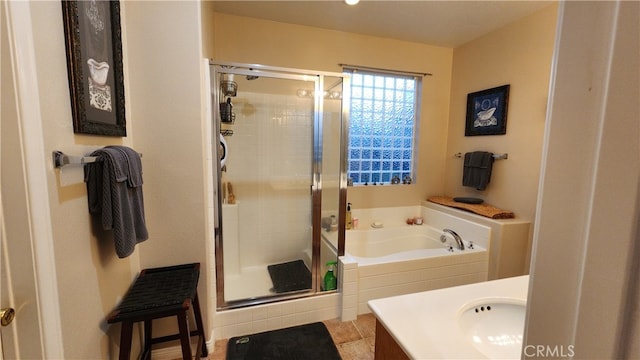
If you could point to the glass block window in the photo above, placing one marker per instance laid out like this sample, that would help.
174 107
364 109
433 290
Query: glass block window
382 128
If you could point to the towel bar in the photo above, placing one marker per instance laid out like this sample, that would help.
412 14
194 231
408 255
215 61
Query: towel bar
495 156
60 159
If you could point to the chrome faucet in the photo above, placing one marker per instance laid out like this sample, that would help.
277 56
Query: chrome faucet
455 235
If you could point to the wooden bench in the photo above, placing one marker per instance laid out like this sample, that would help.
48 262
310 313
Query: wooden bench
158 293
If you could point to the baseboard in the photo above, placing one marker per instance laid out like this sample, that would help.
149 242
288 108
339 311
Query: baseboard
175 352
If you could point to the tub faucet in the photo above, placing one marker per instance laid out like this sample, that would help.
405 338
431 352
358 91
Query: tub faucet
455 236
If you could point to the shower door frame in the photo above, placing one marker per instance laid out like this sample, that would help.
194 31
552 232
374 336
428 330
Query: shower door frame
318 77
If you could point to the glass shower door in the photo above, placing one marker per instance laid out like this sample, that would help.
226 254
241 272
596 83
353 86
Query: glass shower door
267 184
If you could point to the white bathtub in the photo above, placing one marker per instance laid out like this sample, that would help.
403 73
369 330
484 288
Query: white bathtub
406 259
378 246
396 244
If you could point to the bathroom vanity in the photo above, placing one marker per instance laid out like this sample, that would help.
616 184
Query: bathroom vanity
482 320
386 348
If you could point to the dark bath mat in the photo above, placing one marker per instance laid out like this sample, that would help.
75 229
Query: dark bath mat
290 276
304 342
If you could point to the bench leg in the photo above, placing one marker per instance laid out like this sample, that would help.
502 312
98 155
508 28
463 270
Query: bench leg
148 336
125 340
202 340
184 335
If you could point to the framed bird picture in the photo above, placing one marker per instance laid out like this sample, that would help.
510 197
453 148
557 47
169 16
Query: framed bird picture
487 112
94 64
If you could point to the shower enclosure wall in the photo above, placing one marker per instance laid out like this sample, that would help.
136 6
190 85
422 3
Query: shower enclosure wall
280 180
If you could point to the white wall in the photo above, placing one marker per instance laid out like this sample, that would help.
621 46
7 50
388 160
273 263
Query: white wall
269 166
18 241
587 207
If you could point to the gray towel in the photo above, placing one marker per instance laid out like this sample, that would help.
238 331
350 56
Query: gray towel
114 192
477 169
128 165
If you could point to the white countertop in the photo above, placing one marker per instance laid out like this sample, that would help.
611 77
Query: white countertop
425 324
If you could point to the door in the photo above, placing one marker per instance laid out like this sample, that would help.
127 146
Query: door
22 338
267 203
280 181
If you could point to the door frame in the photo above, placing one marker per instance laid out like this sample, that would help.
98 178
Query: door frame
24 69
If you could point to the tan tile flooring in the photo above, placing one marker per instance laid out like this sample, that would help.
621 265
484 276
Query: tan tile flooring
355 340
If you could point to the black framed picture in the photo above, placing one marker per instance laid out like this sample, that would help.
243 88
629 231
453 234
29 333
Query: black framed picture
487 112
94 64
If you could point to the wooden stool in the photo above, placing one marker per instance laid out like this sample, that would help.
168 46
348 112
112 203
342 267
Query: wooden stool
158 293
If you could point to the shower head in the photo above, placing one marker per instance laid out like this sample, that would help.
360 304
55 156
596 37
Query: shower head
227 85
229 88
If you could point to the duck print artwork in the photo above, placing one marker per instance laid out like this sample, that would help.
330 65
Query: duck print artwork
94 64
486 107
487 112
95 14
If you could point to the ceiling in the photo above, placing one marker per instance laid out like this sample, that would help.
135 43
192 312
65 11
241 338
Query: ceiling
440 23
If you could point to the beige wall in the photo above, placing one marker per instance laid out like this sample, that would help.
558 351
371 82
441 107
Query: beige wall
208 21
526 44
161 42
162 65
164 61
519 54
90 276
162 39
246 40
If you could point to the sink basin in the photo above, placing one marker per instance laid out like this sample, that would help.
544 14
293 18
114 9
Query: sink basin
494 326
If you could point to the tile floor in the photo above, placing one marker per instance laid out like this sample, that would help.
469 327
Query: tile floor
355 340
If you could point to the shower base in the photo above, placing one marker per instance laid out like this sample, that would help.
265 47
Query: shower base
251 282
254 282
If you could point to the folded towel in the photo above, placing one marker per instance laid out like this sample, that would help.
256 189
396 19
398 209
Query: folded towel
114 192
128 165
477 169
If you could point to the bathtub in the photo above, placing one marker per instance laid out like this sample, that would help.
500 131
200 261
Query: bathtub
406 259
386 245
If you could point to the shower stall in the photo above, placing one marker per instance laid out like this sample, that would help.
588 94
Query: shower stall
281 179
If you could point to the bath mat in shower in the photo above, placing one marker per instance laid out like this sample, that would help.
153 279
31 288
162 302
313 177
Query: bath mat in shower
309 342
290 276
